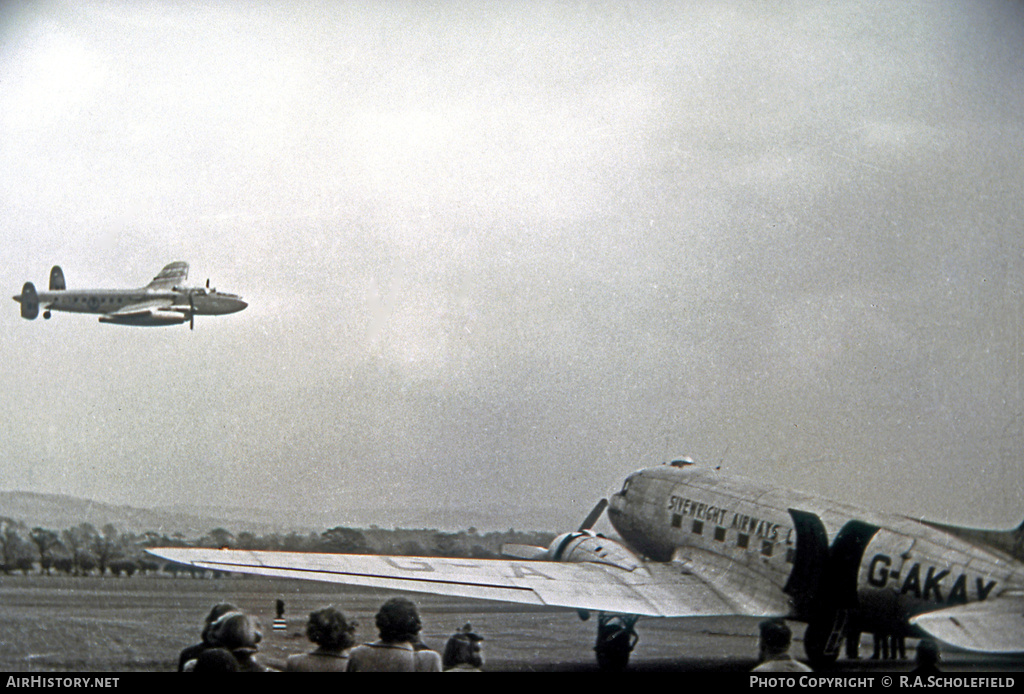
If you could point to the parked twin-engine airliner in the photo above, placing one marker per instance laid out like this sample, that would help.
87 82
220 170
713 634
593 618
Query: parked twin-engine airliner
699 542
164 301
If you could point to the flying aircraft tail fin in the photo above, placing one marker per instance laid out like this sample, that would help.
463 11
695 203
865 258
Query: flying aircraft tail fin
57 279
29 300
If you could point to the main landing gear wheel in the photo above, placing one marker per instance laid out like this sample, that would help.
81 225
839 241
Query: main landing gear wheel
616 638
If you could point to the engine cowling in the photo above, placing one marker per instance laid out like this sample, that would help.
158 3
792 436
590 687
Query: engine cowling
588 546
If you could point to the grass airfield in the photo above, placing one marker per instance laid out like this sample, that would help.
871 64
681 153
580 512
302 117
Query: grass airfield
140 624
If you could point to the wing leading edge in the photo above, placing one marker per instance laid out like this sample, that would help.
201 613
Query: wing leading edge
654 590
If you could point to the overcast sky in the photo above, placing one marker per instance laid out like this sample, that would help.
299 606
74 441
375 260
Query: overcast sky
499 255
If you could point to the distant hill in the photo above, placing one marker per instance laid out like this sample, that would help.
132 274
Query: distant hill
58 511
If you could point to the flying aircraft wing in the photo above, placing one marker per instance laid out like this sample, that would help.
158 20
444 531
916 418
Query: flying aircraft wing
140 309
659 590
993 626
173 274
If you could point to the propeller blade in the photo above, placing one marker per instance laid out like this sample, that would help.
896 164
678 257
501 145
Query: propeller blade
191 313
594 515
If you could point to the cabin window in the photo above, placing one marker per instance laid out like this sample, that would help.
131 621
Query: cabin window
698 527
720 534
766 548
742 541
677 520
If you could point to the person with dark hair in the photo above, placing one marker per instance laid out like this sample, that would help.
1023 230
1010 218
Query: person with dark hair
192 652
463 652
240 634
398 624
215 660
927 658
774 648
334 634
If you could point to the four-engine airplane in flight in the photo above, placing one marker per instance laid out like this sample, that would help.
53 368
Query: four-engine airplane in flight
698 542
164 301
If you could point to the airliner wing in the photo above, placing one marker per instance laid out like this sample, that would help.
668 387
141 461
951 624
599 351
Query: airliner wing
654 590
141 309
161 311
172 275
995 625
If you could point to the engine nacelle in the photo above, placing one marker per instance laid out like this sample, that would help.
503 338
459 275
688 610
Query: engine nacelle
588 546
151 319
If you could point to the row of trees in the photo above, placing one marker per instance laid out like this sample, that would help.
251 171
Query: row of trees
84 550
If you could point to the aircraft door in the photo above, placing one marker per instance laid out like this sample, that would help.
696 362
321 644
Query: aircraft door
809 561
824 579
845 556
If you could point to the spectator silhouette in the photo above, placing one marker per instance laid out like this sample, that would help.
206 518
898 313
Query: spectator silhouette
463 652
774 648
334 634
192 652
398 624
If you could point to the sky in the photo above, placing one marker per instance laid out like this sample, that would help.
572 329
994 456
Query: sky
498 255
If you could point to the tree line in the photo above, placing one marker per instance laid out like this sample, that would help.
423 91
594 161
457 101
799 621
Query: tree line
84 550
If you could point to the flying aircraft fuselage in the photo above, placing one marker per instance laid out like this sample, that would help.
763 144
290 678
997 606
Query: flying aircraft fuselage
876 569
162 302
205 302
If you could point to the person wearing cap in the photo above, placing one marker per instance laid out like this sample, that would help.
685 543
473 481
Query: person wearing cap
463 652
192 652
398 623
774 648
334 634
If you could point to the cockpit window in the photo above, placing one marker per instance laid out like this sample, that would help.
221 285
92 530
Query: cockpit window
625 485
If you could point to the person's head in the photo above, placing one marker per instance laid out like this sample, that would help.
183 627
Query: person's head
236 630
775 638
463 648
927 652
329 629
215 660
397 620
216 612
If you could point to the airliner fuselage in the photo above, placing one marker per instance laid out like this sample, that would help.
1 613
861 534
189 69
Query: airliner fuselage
842 568
164 301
